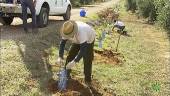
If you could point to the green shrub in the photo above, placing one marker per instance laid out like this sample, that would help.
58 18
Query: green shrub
75 3
154 10
131 5
146 8
86 1
163 11
78 3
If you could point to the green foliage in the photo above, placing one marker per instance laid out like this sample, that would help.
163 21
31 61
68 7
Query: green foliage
156 86
131 5
75 3
154 10
163 18
78 3
146 8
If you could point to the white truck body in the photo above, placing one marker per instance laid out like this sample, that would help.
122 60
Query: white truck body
54 8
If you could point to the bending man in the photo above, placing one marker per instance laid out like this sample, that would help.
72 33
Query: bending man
82 36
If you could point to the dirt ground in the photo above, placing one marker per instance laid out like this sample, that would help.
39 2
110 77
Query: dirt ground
15 32
79 89
107 57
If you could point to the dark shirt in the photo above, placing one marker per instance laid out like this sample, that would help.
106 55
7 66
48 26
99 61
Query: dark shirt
83 50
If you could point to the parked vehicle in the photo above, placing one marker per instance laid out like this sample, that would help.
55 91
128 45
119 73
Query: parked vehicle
44 9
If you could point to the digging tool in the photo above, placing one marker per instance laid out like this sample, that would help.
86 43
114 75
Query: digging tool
62 82
118 38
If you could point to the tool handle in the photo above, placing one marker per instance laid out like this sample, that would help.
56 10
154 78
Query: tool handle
63 65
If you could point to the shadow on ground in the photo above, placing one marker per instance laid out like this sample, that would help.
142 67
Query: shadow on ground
32 49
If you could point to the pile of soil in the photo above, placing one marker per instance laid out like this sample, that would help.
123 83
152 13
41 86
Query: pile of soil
107 57
78 88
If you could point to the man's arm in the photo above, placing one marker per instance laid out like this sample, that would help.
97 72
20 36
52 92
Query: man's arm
82 52
61 49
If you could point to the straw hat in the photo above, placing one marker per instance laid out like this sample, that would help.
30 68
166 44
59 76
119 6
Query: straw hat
68 29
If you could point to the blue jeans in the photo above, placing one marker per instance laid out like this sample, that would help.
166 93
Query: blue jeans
28 4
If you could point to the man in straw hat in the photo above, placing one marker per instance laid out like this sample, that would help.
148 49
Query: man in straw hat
82 36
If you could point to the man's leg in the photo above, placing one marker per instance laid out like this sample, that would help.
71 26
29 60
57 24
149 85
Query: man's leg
71 55
24 16
32 9
122 28
87 59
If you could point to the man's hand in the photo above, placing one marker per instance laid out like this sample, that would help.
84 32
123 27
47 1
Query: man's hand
14 1
71 64
60 61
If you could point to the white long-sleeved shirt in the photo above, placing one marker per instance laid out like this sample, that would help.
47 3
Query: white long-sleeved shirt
119 23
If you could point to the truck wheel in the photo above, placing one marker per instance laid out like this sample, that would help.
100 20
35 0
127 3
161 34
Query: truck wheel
67 15
42 18
6 20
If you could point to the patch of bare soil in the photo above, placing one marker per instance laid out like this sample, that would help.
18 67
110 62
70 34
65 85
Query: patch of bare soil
107 57
77 88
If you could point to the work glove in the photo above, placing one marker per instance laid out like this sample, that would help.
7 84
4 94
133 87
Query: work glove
60 61
71 64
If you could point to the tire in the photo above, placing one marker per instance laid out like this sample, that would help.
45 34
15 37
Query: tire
42 18
67 15
6 20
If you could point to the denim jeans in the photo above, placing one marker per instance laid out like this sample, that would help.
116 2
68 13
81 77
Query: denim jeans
28 4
